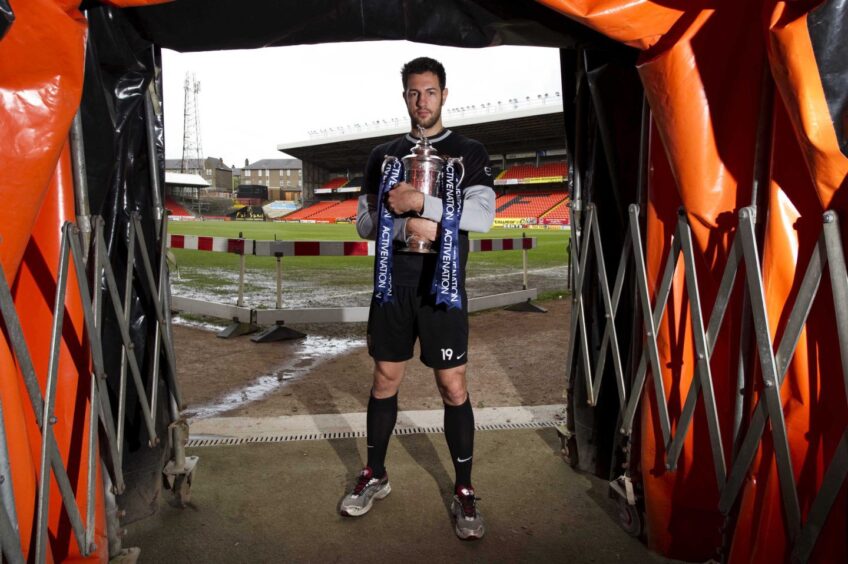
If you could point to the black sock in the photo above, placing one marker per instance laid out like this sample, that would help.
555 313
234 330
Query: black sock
380 422
459 432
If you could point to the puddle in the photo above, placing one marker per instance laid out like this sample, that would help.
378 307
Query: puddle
307 354
204 325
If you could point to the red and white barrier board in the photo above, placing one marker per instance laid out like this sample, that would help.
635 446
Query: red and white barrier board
320 248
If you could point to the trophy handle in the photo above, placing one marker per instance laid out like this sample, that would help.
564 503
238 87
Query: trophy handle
386 160
458 161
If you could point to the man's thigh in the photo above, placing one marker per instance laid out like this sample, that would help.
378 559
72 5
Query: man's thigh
443 334
391 327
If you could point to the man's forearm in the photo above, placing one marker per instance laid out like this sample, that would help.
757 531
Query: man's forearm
367 220
478 209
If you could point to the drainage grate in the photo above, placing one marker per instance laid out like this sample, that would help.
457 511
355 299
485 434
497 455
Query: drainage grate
229 441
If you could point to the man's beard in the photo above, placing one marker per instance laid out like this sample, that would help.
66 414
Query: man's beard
426 123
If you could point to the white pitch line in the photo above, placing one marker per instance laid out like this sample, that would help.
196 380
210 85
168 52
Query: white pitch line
293 425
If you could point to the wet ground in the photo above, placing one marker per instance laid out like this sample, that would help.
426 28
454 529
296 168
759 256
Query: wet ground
515 359
317 290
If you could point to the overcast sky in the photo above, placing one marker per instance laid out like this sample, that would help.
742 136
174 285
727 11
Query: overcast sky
250 101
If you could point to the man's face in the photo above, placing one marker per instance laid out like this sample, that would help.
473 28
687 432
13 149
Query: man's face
424 100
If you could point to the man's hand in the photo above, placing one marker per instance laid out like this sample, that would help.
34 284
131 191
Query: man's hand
404 198
422 228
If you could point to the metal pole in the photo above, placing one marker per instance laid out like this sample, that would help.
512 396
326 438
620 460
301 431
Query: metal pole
240 301
49 395
80 183
7 493
759 203
524 259
90 546
150 117
279 281
113 515
122 389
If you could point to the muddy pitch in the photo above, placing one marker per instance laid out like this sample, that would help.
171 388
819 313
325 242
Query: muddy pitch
515 359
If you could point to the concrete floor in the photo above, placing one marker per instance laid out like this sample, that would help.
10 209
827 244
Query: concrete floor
277 502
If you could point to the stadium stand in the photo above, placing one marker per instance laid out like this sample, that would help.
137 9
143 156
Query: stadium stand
356 182
306 212
503 201
327 210
344 210
176 209
532 174
529 204
560 211
334 183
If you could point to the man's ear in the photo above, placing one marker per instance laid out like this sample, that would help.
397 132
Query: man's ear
444 95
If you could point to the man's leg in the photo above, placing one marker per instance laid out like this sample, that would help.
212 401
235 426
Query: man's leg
373 481
459 432
459 421
382 412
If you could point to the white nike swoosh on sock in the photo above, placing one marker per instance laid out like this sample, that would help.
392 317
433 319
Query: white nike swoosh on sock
461 460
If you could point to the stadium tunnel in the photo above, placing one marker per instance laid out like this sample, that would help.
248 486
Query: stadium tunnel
704 139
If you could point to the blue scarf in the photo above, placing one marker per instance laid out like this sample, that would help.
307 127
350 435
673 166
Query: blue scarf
383 293
446 277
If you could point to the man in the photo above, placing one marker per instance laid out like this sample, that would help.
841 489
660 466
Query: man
412 312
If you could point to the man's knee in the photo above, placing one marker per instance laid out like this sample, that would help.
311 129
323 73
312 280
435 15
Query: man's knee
452 385
387 378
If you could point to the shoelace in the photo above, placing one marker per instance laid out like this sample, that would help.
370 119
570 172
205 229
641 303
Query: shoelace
469 505
364 480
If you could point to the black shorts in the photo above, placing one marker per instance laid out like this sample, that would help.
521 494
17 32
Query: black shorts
442 332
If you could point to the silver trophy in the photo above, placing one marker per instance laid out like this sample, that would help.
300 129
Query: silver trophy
423 168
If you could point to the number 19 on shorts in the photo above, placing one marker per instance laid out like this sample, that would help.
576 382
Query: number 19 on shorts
447 354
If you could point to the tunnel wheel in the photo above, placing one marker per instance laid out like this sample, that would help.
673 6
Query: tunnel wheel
182 489
630 518
568 448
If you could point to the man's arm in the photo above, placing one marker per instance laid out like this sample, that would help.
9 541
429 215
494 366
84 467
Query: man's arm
367 220
478 208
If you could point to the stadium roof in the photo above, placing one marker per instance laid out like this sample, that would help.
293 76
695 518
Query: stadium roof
182 179
529 129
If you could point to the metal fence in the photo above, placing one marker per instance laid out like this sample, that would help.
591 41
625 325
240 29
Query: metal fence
101 414
743 259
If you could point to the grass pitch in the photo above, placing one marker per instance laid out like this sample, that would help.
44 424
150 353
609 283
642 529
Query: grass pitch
551 251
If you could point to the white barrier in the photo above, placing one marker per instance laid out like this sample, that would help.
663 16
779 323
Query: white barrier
249 318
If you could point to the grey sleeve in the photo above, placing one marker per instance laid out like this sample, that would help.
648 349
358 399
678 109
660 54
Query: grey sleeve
367 221
478 208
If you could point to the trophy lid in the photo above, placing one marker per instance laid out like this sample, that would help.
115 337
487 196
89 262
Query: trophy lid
422 150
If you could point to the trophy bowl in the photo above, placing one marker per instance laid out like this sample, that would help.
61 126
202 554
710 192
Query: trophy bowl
422 169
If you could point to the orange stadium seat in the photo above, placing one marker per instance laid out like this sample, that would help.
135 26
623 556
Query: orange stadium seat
530 204
532 174
328 210
338 212
176 209
559 211
304 213
335 183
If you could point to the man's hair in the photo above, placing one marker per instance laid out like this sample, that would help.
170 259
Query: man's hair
422 65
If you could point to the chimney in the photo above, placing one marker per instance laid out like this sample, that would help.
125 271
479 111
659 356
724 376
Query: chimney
246 162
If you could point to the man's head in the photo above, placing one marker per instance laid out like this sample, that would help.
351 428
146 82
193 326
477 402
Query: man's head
425 93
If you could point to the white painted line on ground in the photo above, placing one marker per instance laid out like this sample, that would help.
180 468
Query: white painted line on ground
293 425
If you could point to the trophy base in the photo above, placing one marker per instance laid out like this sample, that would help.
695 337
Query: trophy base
416 245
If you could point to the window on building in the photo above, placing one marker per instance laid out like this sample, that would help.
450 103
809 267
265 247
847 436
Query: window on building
246 172
288 172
